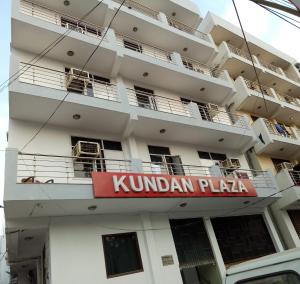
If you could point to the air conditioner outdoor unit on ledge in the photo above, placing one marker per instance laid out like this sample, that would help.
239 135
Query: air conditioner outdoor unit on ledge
77 77
86 149
231 163
286 166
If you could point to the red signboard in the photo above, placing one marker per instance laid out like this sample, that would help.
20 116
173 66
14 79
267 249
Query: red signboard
136 185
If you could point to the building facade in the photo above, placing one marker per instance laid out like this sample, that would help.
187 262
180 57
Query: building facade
159 162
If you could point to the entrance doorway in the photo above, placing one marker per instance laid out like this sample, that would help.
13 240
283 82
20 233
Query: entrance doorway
196 259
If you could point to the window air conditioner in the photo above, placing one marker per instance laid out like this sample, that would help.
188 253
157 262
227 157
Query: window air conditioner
75 76
74 28
213 109
286 166
86 149
231 163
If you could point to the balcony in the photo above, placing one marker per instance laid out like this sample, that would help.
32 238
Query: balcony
61 185
277 140
236 61
197 124
39 90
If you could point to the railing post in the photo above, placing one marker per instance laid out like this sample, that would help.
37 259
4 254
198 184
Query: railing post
162 18
176 58
194 110
110 36
136 166
215 171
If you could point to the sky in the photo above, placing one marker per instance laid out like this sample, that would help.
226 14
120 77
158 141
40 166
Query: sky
255 20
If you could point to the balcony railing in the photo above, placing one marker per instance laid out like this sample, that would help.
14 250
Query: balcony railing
178 107
66 21
255 87
143 48
199 67
180 26
280 129
260 179
55 169
139 8
158 103
271 67
239 52
37 168
295 175
46 77
288 99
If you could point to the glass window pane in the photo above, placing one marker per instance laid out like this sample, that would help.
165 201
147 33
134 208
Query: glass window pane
122 255
281 278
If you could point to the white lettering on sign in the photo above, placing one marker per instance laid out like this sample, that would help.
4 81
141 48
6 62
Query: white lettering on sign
136 183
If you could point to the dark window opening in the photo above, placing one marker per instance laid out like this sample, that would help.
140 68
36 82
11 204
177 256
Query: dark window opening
122 254
203 109
78 26
216 157
277 162
242 238
133 46
295 218
145 98
169 164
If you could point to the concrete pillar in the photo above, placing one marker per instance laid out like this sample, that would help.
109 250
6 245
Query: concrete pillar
176 58
272 231
122 91
110 36
194 110
162 18
215 171
215 248
154 262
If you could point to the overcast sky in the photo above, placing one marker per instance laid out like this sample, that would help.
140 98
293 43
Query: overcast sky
256 21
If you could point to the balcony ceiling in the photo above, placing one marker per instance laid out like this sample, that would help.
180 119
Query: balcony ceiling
34 39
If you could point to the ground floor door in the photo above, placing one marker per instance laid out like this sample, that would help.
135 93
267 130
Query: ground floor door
196 260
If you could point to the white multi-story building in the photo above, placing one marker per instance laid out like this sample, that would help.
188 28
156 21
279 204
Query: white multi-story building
144 173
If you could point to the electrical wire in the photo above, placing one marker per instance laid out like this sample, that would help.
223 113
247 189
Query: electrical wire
83 67
44 52
250 54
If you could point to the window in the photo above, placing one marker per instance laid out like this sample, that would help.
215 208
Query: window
81 87
85 164
122 254
166 163
242 238
295 218
287 277
145 98
133 46
216 157
203 109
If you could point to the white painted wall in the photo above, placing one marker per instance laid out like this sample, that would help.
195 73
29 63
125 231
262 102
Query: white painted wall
77 253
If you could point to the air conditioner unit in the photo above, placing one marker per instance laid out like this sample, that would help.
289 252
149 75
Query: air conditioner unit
286 166
213 109
78 77
74 28
231 163
86 149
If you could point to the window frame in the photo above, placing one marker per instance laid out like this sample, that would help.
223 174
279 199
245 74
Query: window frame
262 277
138 254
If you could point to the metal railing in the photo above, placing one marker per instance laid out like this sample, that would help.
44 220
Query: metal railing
46 77
280 129
38 168
288 99
295 175
144 48
239 51
158 103
271 66
60 19
260 179
139 8
199 67
183 27
178 107
255 87
175 169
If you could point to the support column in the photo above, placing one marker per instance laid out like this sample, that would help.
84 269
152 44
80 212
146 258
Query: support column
162 18
150 243
176 58
215 248
272 230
